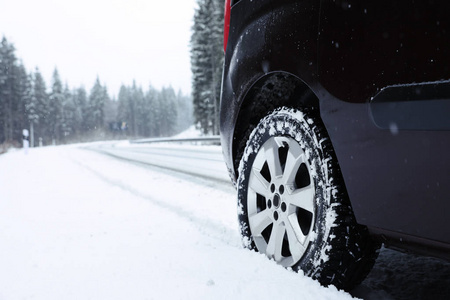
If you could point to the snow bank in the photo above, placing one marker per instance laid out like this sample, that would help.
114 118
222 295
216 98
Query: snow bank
191 132
78 225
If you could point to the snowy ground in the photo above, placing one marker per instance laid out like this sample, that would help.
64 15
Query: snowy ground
75 224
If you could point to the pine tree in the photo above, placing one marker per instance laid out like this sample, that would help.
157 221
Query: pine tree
97 99
206 63
69 117
105 100
81 114
200 65
7 90
217 57
185 114
31 109
145 117
110 111
168 111
124 113
22 95
153 111
136 98
55 108
42 104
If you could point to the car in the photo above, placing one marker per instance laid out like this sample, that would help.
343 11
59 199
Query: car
335 128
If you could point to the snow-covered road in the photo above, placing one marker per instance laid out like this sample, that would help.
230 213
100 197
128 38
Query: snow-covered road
202 161
75 224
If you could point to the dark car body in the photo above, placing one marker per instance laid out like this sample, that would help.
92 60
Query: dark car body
379 73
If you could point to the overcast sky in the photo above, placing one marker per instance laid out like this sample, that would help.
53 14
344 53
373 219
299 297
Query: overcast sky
117 40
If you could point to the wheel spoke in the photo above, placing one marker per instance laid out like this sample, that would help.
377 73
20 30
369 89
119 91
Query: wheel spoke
276 242
294 160
296 230
260 221
303 198
258 183
273 159
296 242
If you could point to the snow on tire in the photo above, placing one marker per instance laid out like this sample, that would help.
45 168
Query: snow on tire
293 205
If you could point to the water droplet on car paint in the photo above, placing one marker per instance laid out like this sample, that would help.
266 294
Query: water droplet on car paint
265 66
393 128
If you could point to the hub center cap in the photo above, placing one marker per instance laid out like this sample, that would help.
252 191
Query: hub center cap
276 200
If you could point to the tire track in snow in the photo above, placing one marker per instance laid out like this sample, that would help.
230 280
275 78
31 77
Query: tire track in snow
208 227
123 154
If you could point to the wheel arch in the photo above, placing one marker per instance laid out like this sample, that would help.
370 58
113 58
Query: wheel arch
271 91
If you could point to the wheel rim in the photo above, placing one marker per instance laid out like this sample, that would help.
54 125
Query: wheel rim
280 201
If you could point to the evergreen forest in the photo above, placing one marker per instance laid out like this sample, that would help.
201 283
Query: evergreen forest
58 114
55 113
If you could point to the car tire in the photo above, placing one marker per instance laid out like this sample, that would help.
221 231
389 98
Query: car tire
292 202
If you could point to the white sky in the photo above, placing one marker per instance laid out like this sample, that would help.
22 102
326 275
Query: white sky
117 40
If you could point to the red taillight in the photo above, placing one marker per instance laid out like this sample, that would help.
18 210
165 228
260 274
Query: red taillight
226 27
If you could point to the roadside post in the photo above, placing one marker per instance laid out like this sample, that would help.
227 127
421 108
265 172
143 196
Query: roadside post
26 143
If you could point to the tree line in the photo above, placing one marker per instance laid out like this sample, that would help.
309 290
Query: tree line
60 114
154 113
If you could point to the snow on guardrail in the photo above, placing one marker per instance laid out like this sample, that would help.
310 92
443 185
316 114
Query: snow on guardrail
209 139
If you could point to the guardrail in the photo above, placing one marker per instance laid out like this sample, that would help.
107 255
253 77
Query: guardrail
213 139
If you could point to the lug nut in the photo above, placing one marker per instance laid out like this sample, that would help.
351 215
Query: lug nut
272 188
